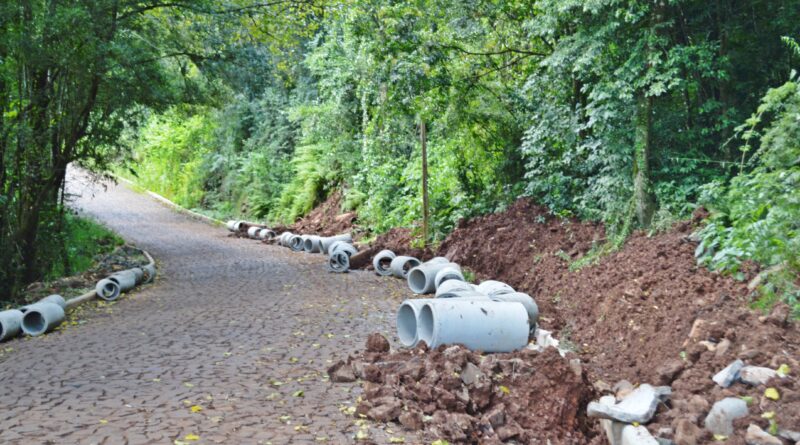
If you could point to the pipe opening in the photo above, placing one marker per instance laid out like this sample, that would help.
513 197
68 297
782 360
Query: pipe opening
385 262
34 322
425 328
417 281
407 325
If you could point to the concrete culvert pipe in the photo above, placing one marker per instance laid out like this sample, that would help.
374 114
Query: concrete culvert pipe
237 226
480 325
265 234
138 273
492 287
107 290
283 239
149 273
312 244
339 262
382 262
55 299
10 324
436 260
126 280
447 274
327 242
252 232
402 264
41 318
231 225
296 243
421 279
463 293
454 285
526 300
346 248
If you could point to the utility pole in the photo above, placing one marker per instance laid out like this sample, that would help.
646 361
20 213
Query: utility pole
423 137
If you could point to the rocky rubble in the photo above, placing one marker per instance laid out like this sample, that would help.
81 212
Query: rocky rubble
466 397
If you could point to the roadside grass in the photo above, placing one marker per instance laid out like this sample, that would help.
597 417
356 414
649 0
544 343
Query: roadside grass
84 239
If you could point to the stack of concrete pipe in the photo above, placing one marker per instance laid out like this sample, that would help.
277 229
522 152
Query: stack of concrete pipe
254 231
48 313
490 316
339 248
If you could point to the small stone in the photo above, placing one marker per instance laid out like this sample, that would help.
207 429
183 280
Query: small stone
411 420
341 373
639 406
722 347
665 432
757 436
622 389
637 435
470 374
496 416
756 375
601 386
723 413
509 431
377 343
668 371
388 410
727 376
575 366
687 433
790 435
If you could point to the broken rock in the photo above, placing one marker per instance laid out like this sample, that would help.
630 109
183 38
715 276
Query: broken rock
470 374
668 372
377 343
639 406
756 375
637 435
341 372
727 376
723 413
756 436
412 420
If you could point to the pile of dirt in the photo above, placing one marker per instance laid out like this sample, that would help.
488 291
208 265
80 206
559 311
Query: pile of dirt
326 219
631 315
455 394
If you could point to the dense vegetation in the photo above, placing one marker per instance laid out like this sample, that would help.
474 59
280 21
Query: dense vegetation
627 112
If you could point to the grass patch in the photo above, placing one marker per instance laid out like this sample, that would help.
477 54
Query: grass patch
84 239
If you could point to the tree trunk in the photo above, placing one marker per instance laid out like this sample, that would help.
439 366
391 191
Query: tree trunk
644 198
423 136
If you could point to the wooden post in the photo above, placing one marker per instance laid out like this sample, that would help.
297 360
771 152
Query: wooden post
423 137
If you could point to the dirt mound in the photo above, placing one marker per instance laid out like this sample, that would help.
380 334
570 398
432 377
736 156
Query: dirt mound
399 240
631 315
464 397
326 219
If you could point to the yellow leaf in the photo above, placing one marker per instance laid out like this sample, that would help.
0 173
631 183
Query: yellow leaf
196 408
768 415
188 385
505 390
720 437
783 370
192 437
103 421
298 393
362 435
440 442
397 440
772 393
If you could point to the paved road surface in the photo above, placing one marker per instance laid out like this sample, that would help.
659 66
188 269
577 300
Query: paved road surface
232 326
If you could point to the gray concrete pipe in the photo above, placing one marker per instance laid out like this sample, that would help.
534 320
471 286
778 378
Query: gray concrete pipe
421 279
41 318
296 243
231 225
492 287
55 299
126 279
107 289
447 274
149 273
402 264
347 248
526 300
326 242
382 262
339 262
252 231
266 234
10 324
312 244
453 285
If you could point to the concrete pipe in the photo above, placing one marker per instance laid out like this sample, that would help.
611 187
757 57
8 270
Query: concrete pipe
332 247
346 248
231 225
382 261
149 273
464 293
480 325
253 231
312 244
283 239
296 243
454 285
327 242
107 290
530 305
407 317
138 273
126 280
237 226
55 299
492 287
447 274
339 262
10 324
437 259
266 234
41 318
421 279
402 264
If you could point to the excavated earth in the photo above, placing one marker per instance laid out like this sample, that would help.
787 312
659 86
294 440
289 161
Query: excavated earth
646 313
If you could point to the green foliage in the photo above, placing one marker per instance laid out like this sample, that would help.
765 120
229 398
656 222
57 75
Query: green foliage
84 240
756 216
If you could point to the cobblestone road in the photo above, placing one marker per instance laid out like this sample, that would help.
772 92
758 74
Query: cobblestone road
219 348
